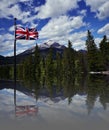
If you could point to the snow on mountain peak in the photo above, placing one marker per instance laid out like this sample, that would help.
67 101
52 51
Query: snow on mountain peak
49 44
44 46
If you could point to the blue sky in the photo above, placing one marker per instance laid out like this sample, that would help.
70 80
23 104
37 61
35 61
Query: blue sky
57 20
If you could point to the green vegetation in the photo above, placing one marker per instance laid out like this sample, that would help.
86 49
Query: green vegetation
104 51
65 73
62 65
93 54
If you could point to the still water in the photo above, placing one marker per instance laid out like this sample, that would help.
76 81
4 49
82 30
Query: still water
81 103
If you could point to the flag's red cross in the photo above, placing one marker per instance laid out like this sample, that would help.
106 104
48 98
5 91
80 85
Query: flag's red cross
26 33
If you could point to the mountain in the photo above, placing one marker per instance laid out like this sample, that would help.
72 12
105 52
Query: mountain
1 58
52 44
44 49
6 60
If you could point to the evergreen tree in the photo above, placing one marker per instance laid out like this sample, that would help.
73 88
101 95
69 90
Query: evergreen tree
58 65
81 62
64 62
58 71
20 71
71 57
69 60
49 63
5 72
104 49
92 53
28 68
37 60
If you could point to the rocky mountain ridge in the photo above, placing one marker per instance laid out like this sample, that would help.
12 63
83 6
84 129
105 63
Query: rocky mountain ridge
44 48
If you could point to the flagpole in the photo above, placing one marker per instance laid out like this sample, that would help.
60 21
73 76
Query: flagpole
15 62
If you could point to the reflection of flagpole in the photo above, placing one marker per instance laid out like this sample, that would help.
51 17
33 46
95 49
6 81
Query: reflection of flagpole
15 97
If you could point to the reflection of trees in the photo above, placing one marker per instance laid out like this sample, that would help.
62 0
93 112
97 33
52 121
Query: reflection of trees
96 88
69 87
91 93
104 93
53 85
33 85
37 87
104 97
56 86
91 98
50 86
81 83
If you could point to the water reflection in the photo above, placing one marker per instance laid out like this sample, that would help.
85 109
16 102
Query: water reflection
80 102
24 109
98 86
94 87
81 95
30 110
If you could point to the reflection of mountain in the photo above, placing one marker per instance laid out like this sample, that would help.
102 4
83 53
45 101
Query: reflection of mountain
49 113
43 92
28 106
96 89
5 84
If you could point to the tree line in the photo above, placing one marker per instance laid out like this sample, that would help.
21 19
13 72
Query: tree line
64 64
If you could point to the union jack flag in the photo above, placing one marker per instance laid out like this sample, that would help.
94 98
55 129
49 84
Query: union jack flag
26 33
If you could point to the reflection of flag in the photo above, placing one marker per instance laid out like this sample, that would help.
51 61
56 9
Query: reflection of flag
26 110
26 33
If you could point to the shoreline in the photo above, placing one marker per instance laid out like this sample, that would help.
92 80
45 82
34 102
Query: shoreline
101 72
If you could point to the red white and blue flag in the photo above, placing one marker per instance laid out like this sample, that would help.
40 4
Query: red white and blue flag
26 33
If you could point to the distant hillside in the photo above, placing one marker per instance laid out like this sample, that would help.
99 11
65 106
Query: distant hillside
44 49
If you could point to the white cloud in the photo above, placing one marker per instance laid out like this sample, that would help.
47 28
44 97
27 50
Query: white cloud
82 12
95 4
12 8
61 26
10 51
55 8
62 29
104 30
78 39
97 41
100 7
6 37
9 9
103 11
20 49
7 3
7 44
81 35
